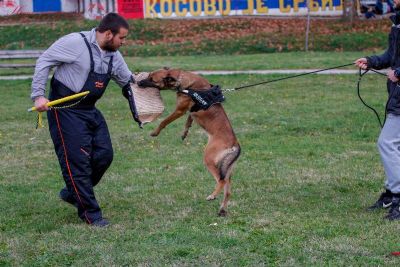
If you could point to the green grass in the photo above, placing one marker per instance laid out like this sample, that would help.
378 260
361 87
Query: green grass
291 60
309 167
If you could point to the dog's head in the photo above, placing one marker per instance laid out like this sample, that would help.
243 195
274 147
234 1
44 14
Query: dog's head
162 79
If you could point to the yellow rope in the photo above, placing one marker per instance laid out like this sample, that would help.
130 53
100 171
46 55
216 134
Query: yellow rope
39 123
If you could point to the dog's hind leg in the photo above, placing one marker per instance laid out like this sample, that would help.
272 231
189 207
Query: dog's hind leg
227 161
218 187
188 124
212 168
225 168
227 193
210 160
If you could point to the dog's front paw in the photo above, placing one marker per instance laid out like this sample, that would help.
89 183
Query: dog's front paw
210 197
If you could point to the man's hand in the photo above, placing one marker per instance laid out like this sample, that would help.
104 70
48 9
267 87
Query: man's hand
41 103
361 63
391 76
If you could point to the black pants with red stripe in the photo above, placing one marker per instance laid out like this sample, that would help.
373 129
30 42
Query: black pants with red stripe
83 147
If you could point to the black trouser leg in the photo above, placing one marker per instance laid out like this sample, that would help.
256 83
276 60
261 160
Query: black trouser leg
72 140
102 153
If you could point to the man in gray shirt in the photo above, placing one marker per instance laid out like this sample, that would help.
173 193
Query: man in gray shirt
85 61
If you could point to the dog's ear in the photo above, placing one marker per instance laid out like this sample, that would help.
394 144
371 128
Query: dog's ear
166 68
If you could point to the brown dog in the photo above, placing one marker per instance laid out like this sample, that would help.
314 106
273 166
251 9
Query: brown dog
222 149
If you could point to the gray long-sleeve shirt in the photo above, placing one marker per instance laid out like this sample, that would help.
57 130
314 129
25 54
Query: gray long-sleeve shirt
71 57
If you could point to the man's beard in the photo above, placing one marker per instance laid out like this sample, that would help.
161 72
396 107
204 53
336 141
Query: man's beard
108 46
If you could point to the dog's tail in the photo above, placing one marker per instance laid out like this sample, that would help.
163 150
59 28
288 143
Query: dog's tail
227 161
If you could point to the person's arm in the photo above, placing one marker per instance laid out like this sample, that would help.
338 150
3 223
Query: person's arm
375 62
121 73
62 51
381 61
124 77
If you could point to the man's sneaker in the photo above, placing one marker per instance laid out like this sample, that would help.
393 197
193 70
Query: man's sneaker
394 212
384 201
66 196
100 223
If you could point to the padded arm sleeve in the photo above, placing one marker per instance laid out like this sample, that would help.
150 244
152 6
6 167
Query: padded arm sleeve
127 93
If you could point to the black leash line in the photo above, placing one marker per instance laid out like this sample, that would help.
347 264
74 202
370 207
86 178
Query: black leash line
378 72
293 76
361 74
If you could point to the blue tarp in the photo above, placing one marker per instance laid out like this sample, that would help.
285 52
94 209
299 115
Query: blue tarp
46 5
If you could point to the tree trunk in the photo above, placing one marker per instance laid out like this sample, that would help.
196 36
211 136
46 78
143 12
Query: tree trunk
349 10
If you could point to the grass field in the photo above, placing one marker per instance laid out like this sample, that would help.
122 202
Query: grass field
309 167
292 60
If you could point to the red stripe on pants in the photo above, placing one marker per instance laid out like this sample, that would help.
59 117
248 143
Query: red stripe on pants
66 161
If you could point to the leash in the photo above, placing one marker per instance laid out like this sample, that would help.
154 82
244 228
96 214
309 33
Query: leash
361 74
287 77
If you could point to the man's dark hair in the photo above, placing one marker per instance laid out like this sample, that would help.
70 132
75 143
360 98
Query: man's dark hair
112 22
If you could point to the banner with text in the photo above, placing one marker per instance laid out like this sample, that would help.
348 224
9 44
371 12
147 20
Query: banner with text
212 8
131 9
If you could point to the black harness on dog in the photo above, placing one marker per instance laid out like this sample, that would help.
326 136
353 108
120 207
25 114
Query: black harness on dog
205 99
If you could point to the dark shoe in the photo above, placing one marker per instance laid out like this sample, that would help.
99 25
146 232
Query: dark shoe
394 212
66 196
100 223
384 201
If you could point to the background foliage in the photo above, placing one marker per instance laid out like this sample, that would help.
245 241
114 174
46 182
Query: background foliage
240 35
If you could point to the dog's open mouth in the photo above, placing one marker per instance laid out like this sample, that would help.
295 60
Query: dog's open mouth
147 83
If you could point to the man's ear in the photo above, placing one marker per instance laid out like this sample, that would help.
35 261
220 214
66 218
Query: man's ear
109 35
